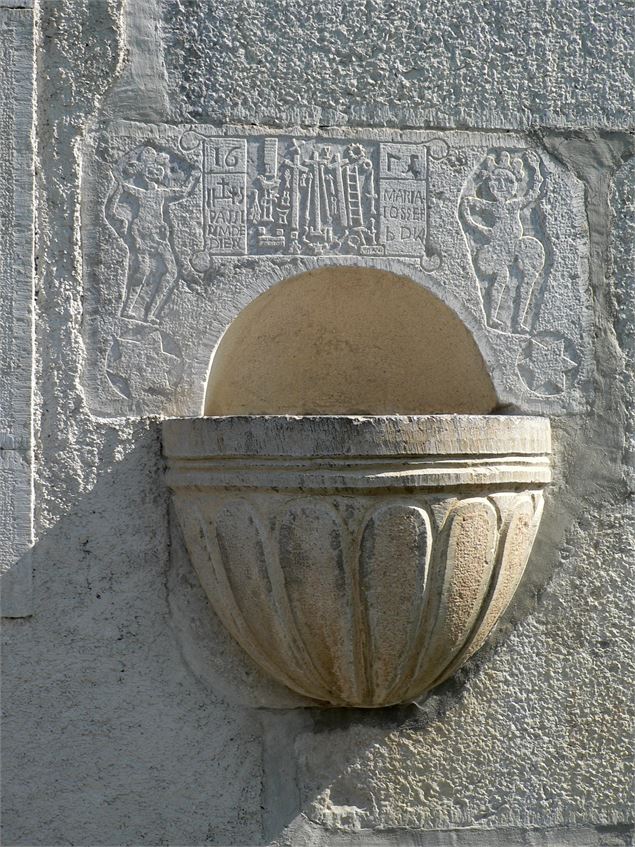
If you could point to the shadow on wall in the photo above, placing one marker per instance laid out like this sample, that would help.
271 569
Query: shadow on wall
125 685
108 737
126 688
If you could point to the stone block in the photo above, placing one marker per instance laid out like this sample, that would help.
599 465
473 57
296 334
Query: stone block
16 306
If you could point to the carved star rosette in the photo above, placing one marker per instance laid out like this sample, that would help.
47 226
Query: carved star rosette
359 561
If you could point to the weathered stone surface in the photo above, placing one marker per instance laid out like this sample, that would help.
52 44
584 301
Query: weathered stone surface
622 269
102 718
488 223
16 531
484 64
108 737
16 308
359 561
496 754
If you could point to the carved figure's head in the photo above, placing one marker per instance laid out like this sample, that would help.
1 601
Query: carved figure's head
157 169
503 176
503 184
356 153
148 167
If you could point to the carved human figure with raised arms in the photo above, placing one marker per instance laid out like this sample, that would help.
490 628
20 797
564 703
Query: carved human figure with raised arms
507 261
147 181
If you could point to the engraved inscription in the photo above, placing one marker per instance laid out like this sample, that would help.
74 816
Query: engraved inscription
224 196
404 198
312 197
495 212
224 170
182 226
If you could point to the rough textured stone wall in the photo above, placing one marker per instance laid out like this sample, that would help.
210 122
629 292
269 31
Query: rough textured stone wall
130 718
402 64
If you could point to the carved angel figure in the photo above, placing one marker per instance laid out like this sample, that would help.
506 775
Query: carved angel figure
147 181
506 260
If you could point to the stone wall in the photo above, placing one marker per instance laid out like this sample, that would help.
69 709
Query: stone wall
131 717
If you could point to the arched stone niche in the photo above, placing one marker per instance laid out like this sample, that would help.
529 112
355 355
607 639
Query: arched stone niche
348 340
519 288
356 516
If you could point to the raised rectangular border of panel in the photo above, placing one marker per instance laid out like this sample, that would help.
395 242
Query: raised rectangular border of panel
16 306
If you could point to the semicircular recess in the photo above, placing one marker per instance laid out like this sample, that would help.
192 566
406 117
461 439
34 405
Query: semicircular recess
394 555
348 341
467 544
245 566
315 561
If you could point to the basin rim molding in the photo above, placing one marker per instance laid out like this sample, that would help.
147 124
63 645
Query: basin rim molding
359 560
355 435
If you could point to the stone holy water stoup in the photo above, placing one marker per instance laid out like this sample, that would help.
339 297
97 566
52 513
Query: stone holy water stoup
359 560
361 549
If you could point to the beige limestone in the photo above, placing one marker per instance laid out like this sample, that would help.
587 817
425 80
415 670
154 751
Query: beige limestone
359 560
348 340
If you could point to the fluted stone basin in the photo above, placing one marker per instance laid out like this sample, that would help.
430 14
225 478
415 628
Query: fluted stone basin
359 560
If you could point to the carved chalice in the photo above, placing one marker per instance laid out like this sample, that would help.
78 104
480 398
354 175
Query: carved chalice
359 560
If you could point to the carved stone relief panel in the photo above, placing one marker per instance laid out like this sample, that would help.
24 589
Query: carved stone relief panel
183 226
